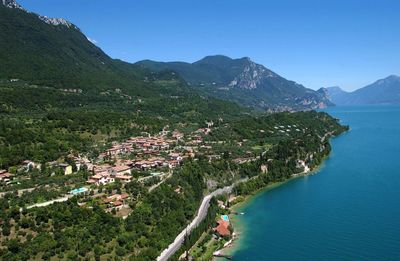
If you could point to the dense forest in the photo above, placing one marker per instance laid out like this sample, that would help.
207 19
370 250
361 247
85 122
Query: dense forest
55 231
43 123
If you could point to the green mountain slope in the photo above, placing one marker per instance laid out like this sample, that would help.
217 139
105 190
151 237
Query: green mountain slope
63 93
57 55
245 82
53 52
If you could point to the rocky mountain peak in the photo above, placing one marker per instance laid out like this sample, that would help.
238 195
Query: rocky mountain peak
48 20
251 76
11 4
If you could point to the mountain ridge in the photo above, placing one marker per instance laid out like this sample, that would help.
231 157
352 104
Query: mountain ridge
39 56
48 20
54 52
11 4
245 82
382 91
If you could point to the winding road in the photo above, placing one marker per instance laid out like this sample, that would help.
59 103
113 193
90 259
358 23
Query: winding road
201 214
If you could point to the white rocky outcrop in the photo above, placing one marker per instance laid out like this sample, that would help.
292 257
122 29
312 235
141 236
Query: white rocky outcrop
48 20
11 4
56 21
251 76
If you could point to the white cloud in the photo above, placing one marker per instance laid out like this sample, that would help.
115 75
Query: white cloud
93 41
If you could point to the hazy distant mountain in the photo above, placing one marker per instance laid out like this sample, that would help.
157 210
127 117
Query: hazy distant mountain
384 91
335 94
245 82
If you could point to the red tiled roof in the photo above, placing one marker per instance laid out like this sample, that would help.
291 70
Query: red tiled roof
6 175
108 200
121 168
223 223
222 230
96 177
124 195
117 203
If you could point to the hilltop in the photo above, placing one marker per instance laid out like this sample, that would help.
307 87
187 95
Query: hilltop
245 82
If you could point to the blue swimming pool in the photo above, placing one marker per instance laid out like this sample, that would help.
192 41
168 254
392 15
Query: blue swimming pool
225 218
78 191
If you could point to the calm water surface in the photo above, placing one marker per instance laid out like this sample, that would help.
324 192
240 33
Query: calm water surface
349 210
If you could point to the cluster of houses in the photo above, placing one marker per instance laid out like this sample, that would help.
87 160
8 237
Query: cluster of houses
165 150
116 201
141 146
105 174
150 152
64 167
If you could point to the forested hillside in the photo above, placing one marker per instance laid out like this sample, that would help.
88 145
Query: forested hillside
56 231
62 93
57 55
50 123
244 82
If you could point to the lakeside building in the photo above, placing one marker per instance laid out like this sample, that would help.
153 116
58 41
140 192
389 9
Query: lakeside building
223 228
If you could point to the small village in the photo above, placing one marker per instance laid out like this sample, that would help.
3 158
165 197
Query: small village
148 160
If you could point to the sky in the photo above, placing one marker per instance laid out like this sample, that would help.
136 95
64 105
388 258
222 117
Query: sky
318 43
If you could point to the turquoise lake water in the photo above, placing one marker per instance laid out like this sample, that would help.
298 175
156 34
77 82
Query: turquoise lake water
349 210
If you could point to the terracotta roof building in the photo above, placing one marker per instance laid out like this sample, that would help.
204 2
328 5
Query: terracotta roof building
222 228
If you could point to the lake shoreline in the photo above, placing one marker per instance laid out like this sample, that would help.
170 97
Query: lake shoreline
350 206
239 226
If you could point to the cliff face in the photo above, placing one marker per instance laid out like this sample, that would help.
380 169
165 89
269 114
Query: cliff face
251 76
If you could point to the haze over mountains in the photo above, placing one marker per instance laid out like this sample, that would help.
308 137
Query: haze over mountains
384 91
245 82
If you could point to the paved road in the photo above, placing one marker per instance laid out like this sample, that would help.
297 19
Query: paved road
20 192
163 179
44 204
201 214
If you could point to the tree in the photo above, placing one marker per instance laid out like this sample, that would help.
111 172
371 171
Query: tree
13 246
